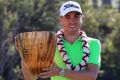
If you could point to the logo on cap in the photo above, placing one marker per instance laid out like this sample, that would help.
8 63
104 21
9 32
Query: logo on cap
70 5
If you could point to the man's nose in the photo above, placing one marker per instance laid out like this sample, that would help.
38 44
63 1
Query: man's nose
72 19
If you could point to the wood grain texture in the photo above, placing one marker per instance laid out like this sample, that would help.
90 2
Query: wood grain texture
36 49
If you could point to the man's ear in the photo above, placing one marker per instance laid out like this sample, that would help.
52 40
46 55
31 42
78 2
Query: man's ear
60 19
81 21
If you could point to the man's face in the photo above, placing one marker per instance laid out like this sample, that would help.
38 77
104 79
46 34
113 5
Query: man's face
71 22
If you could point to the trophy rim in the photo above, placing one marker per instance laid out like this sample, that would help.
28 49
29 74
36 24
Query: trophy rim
33 32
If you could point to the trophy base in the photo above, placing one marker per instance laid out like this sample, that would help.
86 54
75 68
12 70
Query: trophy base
43 79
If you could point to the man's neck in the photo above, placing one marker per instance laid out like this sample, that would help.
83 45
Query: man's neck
71 37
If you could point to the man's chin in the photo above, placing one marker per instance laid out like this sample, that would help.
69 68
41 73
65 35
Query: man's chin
73 30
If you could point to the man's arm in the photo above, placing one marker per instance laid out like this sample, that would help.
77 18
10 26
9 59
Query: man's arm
89 74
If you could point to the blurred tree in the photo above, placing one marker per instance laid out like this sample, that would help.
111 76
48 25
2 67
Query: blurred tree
18 16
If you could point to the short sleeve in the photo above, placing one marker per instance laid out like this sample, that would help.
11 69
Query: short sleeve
95 51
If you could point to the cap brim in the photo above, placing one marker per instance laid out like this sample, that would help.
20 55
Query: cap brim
70 11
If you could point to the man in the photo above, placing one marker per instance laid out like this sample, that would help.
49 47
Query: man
77 56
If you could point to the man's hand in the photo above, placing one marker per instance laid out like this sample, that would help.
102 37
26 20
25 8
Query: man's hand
50 71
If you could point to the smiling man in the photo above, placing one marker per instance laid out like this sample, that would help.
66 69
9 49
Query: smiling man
77 56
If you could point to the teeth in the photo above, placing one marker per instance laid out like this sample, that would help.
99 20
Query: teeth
72 26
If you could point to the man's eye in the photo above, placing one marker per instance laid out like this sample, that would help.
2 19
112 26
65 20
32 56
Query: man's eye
67 16
77 16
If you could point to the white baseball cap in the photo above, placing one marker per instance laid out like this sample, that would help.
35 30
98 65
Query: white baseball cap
70 6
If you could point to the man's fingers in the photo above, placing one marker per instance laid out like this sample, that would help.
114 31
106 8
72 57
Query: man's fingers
46 69
44 77
45 74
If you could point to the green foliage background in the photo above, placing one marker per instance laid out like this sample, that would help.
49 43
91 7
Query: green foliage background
18 16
